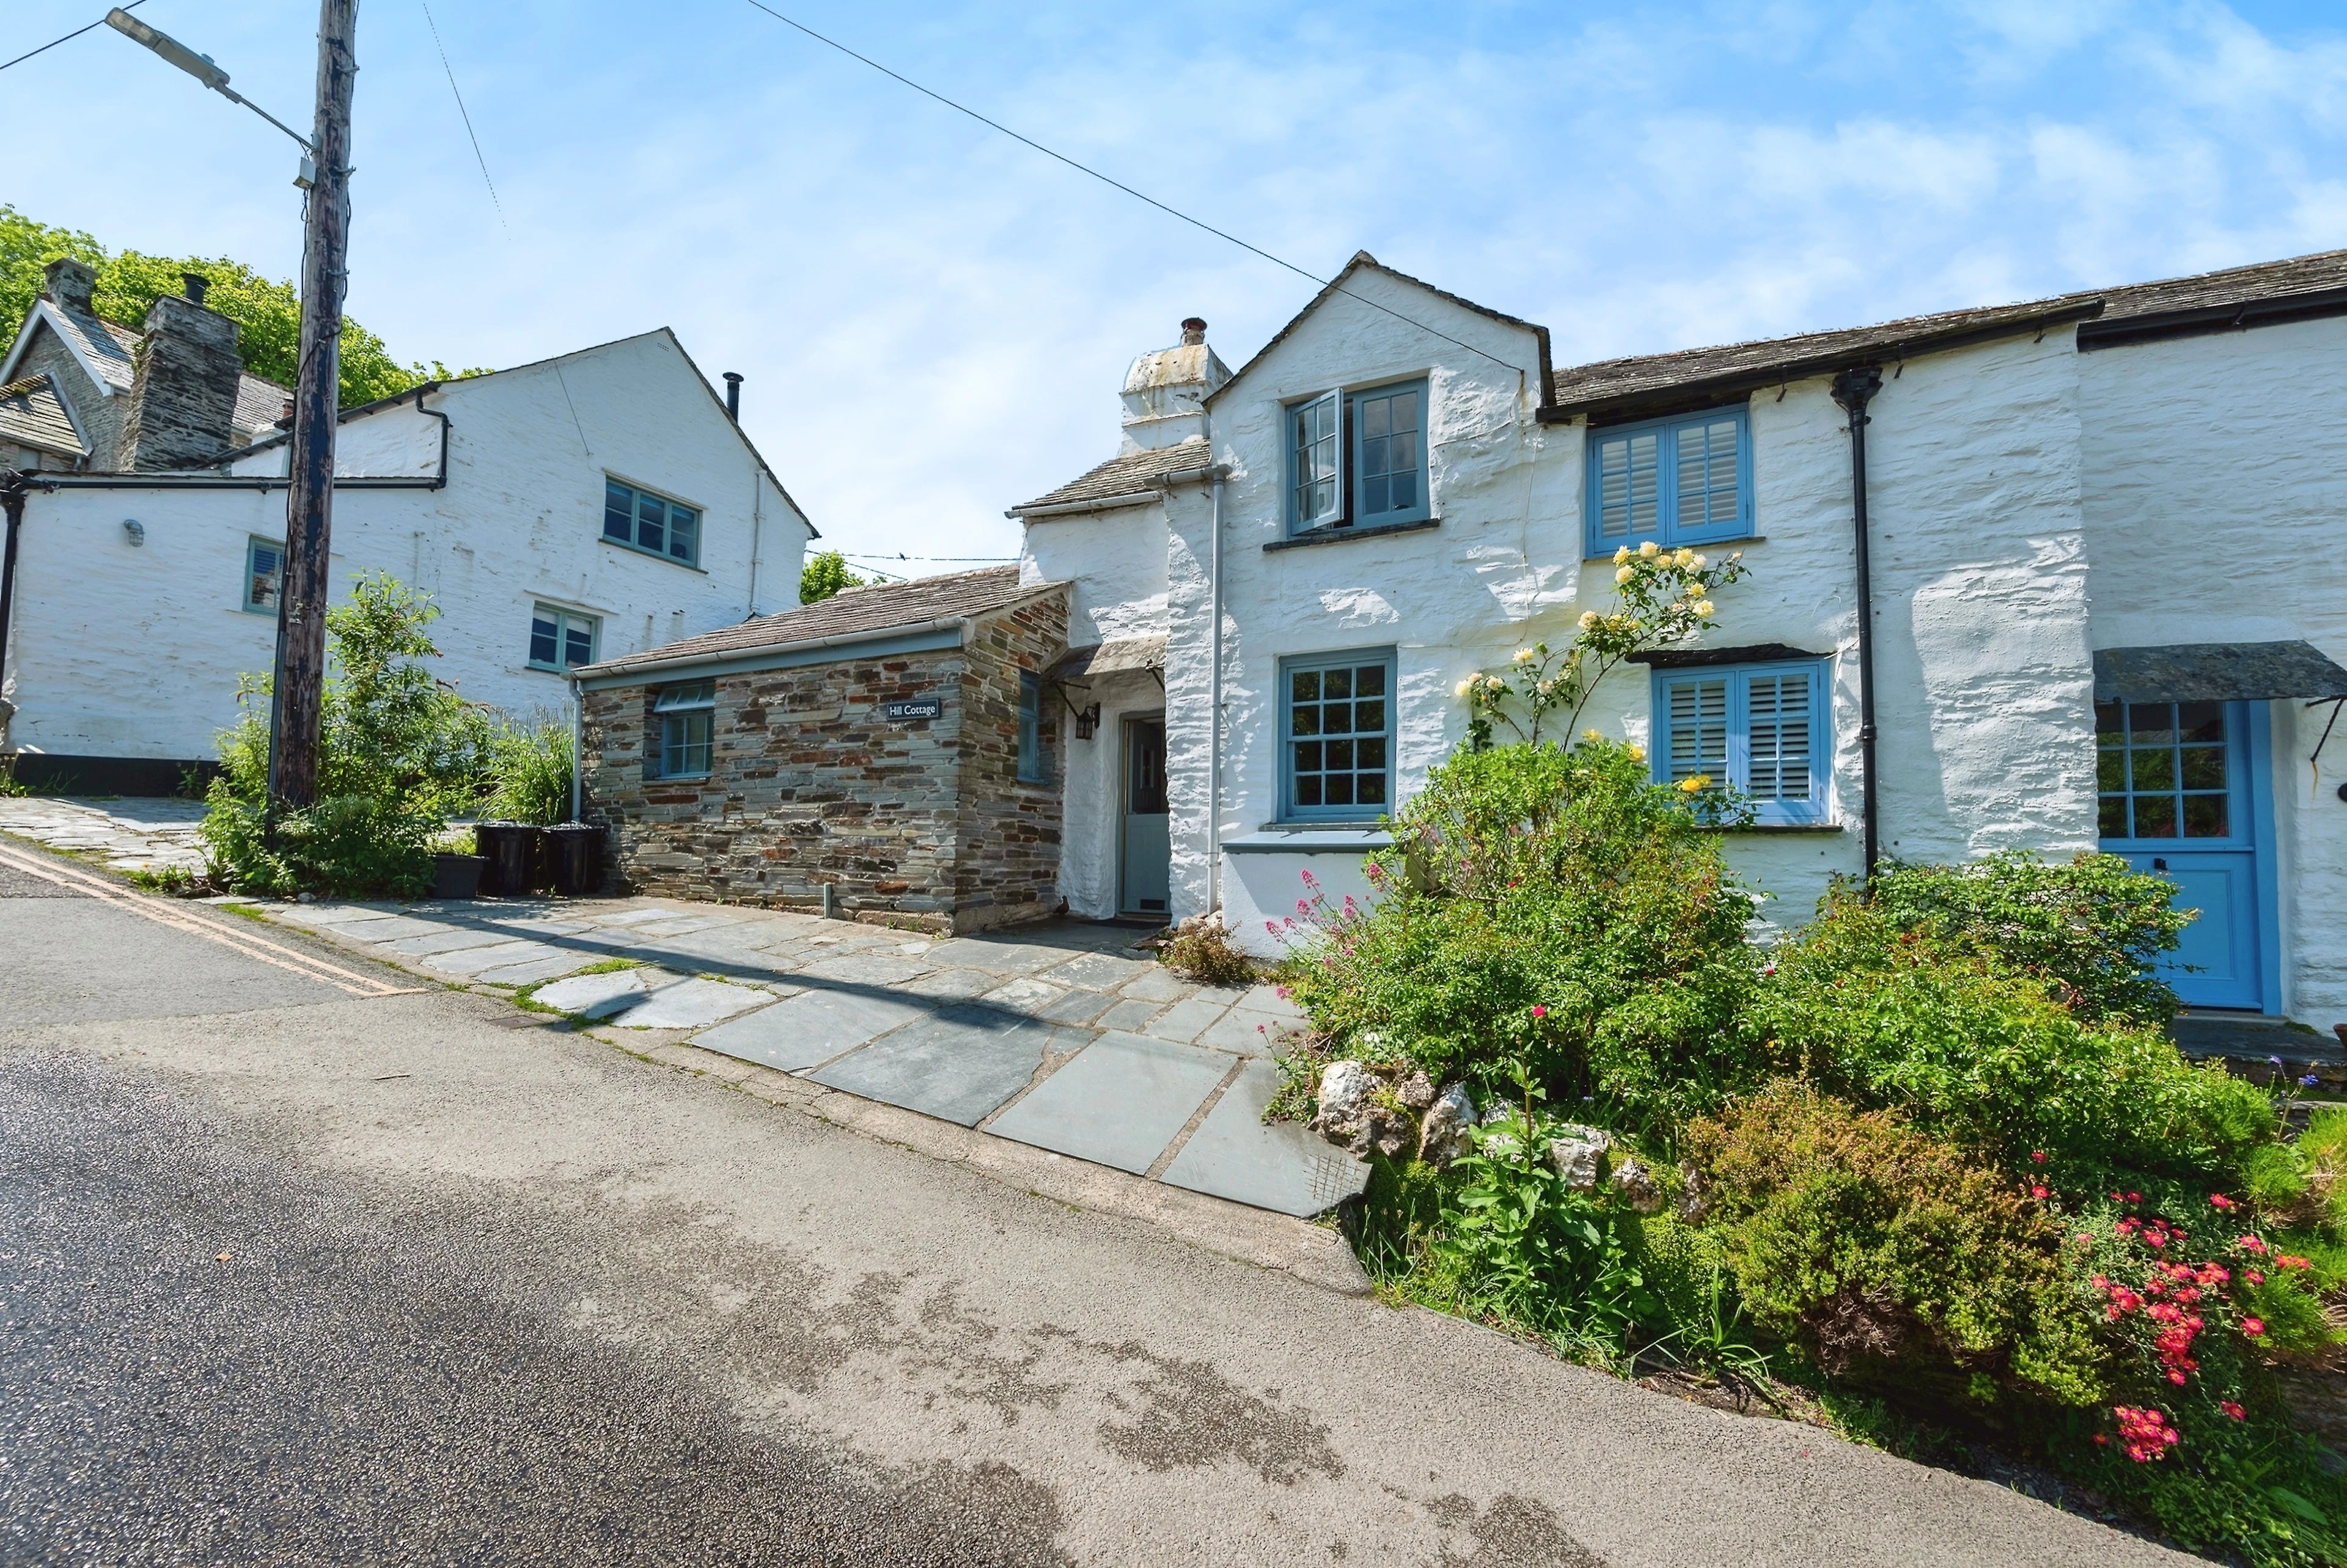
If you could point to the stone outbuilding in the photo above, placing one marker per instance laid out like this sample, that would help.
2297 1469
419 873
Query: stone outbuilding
889 754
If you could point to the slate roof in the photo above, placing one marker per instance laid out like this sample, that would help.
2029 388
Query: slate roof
2116 313
259 403
32 414
106 344
1126 476
858 612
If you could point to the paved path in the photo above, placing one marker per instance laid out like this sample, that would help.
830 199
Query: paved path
1062 1036
290 1275
131 834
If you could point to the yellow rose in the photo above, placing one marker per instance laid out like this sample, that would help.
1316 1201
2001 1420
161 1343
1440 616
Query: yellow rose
1467 685
1524 655
1702 608
1621 554
1588 618
1699 563
1683 559
1638 751
1591 735
1625 574
1649 550
1695 786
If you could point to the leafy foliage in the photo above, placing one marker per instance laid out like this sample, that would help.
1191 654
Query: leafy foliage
1549 906
399 752
530 771
267 313
1976 1052
1201 950
825 575
2092 929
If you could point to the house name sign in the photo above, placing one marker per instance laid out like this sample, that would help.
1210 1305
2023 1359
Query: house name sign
918 708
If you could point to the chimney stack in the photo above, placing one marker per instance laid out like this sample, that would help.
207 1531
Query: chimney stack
1194 331
1165 390
195 283
734 395
68 282
183 382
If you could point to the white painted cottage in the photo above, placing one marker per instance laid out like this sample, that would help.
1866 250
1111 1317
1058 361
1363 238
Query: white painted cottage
583 507
2101 585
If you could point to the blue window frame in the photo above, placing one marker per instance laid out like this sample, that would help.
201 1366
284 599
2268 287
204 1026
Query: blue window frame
1762 730
2168 770
560 639
686 715
653 524
264 573
1686 480
1034 763
1336 736
1358 459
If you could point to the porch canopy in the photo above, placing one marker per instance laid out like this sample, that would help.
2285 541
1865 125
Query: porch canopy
2216 672
1114 657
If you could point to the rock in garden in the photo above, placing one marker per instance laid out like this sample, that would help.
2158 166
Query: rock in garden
1345 1090
1578 1154
1695 1206
1444 1134
1417 1091
1637 1185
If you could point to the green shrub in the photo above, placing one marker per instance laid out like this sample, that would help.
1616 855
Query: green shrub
398 753
1549 908
2092 929
1975 1051
529 772
1891 1257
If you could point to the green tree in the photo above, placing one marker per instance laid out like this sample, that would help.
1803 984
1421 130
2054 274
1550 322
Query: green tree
825 575
268 314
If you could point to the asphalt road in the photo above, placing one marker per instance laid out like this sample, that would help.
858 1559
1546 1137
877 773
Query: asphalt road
291 1277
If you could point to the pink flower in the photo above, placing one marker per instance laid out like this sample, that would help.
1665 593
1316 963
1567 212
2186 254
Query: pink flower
2233 1410
2037 1190
2219 1200
2253 1327
1539 1011
2086 1239
2038 1155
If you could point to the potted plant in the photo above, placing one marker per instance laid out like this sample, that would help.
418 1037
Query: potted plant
455 872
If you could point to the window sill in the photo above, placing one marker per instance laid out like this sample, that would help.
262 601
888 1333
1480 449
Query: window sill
636 549
1781 827
1310 838
1608 558
1332 534
553 670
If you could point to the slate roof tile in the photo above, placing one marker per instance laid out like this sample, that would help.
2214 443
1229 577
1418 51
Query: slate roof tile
1124 475
856 610
32 414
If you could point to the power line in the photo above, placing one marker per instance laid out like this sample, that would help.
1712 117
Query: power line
948 561
461 110
68 38
1128 190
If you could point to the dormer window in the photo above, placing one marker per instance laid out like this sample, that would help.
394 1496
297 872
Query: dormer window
1358 459
653 524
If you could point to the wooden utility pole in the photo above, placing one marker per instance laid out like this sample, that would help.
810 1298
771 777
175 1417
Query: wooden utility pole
299 686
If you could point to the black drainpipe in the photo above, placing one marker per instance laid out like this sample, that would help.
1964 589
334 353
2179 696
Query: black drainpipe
1853 389
13 486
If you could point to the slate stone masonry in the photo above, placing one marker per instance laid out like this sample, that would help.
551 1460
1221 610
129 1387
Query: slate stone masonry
920 822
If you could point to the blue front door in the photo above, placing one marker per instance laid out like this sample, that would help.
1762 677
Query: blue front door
2179 788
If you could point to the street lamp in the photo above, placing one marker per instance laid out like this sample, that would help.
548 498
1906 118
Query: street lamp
201 66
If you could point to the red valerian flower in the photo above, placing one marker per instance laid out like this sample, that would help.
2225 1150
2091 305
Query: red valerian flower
2253 1327
2037 1156
2219 1200
2233 1410
2037 1190
1539 1011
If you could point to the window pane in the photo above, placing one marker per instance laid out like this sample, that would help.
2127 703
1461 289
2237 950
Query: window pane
1369 788
1340 755
619 506
2204 817
1339 789
651 518
2201 721
2110 770
1707 473
1304 720
1312 454
1370 681
684 527
1336 718
2154 817
1697 720
1369 754
1390 452
2204 767
1375 492
691 695
2154 723
264 567
1304 686
1307 789
2108 719
578 642
2111 816
1375 415
2153 770
1369 718
542 634
1335 683
1778 710
1308 757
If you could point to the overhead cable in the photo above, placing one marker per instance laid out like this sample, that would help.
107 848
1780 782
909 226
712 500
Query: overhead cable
1128 190
68 38
461 110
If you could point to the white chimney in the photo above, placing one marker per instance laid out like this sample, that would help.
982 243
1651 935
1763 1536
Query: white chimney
1165 390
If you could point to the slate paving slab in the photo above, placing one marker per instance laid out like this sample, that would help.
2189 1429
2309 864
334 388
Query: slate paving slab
1245 1032
598 996
1028 993
1186 1021
691 1004
1118 1103
1097 972
957 1064
869 969
1130 1014
475 961
531 970
390 927
810 1029
1234 1155
1076 1006
996 957
447 941
1158 984
954 983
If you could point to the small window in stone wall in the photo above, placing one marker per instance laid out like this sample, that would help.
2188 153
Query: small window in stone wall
1034 763
685 716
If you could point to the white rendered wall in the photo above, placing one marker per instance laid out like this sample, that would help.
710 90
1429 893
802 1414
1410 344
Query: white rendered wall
135 651
2217 482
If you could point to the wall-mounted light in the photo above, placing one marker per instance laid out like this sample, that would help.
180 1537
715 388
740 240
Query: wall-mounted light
1087 721
134 531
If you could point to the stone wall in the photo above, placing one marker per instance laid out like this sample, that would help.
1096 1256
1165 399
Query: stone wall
183 388
100 414
922 822
1011 831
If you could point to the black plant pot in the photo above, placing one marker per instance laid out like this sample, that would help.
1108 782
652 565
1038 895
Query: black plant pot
516 853
457 876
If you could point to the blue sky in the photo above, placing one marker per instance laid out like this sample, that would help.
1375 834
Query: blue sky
934 320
